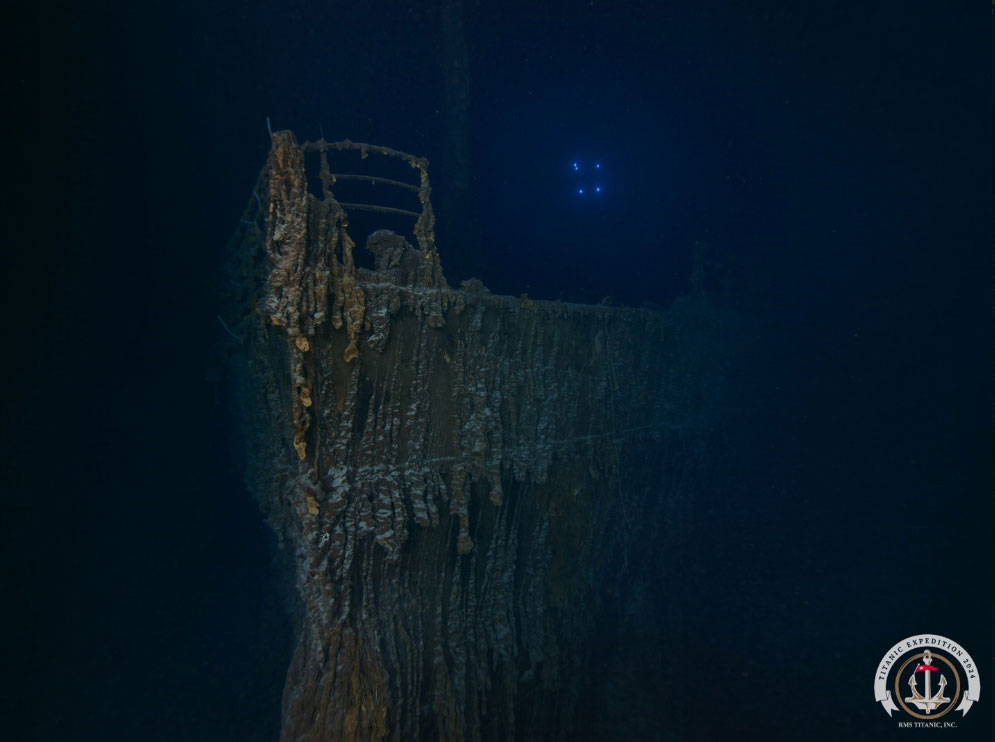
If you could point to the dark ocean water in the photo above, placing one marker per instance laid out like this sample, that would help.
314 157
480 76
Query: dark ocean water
838 154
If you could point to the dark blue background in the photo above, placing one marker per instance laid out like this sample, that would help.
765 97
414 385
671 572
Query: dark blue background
840 151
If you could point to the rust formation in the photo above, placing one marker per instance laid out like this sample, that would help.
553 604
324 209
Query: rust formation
463 483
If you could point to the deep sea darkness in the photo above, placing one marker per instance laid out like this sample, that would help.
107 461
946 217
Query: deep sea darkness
837 153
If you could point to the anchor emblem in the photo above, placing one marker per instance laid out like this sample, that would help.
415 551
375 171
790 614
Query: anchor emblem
927 701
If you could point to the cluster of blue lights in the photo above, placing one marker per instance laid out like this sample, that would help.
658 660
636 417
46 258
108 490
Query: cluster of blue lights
588 178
